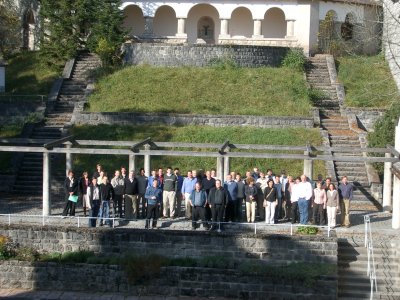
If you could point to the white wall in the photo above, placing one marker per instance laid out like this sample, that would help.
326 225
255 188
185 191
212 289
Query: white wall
241 23
165 22
134 21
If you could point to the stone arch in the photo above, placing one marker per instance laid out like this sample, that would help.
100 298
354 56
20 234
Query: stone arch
165 22
28 29
241 24
134 21
199 21
346 29
274 24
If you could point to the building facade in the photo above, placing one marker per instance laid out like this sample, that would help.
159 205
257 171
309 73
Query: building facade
288 23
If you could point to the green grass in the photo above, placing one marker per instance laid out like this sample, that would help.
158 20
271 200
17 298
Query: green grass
26 75
211 90
368 81
197 134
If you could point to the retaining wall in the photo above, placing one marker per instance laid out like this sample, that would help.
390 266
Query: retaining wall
202 55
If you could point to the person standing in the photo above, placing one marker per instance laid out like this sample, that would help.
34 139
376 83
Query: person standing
71 193
319 204
142 182
188 186
208 183
287 195
270 202
278 189
106 196
332 205
178 195
96 173
198 201
294 200
217 199
305 193
251 199
240 197
231 187
169 192
93 194
153 197
345 196
130 195
118 185
83 184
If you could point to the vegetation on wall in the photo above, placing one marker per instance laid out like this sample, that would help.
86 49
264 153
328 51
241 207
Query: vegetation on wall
10 28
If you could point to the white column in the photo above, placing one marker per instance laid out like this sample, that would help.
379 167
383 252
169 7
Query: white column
289 28
396 186
181 28
132 162
257 29
68 158
308 166
227 165
148 26
220 168
46 184
147 169
387 185
224 28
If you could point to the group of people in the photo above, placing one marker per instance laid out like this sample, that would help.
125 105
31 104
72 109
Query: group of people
263 196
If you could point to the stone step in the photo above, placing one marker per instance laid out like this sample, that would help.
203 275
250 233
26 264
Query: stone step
344 138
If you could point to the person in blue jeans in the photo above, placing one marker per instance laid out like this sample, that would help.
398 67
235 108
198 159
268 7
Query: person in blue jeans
304 192
153 196
93 194
106 196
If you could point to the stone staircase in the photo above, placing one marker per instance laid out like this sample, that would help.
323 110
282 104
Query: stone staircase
340 135
352 269
29 177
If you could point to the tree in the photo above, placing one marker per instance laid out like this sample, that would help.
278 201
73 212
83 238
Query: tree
70 25
10 28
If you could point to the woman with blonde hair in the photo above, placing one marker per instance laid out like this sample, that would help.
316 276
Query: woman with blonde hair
332 204
250 192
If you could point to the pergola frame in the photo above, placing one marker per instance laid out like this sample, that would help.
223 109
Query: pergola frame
223 152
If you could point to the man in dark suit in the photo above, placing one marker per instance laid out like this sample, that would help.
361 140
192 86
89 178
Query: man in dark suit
71 189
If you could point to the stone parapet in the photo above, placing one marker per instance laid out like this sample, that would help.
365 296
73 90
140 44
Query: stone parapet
366 117
86 118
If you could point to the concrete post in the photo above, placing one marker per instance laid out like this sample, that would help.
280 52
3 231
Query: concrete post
68 158
257 29
147 169
387 185
224 28
396 186
46 184
132 162
227 168
181 28
308 166
220 167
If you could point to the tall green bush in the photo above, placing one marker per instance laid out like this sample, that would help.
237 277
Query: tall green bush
295 59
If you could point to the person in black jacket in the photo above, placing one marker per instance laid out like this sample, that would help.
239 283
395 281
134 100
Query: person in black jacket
71 189
217 198
93 194
130 193
106 195
142 182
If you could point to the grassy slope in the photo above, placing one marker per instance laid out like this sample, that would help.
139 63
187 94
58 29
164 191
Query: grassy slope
244 91
205 134
368 81
25 75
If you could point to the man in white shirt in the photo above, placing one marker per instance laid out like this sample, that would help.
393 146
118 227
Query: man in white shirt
304 192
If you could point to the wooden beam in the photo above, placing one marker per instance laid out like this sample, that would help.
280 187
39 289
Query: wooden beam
393 151
58 142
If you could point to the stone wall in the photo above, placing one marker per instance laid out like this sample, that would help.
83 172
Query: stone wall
171 281
202 55
366 117
80 118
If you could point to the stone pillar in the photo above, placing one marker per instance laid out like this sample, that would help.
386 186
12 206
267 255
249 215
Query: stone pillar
224 28
132 162
308 166
68 158
227 165
147 169
181 28
257 29
289 28
220 167
387 185
396 186
148 26
46 184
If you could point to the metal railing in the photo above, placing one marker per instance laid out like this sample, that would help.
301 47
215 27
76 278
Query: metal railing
80 221
371 272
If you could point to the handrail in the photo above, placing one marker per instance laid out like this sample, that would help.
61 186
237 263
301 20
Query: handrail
371 272
254 226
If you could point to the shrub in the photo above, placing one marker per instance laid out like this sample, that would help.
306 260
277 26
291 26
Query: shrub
224 63
7 248
76 257
27 254
307 230
141 269
295 59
